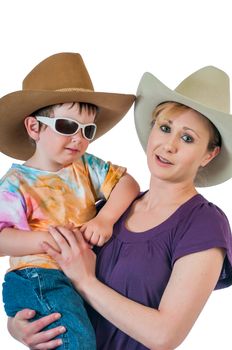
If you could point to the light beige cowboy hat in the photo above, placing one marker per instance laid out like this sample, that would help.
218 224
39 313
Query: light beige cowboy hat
207 91
59 78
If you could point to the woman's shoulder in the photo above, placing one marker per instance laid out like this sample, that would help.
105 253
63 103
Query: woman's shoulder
205 226
200 224
199 208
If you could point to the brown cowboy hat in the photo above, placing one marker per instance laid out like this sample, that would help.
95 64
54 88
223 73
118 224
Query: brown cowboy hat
59 78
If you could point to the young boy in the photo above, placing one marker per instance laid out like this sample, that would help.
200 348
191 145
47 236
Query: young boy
50 124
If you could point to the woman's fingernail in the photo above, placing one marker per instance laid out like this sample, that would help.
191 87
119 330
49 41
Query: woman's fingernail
31 313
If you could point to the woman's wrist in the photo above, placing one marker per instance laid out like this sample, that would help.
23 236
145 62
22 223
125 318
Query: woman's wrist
88 287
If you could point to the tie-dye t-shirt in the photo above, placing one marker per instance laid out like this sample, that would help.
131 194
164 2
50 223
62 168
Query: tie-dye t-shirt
32 199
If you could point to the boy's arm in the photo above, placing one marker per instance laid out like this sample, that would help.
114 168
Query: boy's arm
14 242
98 230
124 192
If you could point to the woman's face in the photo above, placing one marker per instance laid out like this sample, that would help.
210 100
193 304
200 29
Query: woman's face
177 146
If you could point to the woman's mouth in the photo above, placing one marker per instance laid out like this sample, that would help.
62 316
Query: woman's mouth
163 160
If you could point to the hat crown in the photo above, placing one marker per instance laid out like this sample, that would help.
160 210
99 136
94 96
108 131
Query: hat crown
208 86
61 71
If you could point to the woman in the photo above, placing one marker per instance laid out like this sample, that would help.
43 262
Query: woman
172 247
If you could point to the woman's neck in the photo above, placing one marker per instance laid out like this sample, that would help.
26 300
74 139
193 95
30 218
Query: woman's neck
166 193
158 204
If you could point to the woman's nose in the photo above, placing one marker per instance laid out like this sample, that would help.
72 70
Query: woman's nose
171 145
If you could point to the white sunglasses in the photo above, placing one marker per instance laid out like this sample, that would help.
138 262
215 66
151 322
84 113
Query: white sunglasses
69 127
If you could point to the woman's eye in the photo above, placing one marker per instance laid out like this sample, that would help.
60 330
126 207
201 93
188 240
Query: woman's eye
187 138
165 128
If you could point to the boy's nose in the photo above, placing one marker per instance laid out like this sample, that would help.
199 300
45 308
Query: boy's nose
78 136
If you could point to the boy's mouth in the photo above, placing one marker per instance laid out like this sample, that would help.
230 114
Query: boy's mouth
73 150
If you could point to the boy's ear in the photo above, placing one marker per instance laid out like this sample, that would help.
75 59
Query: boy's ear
32 127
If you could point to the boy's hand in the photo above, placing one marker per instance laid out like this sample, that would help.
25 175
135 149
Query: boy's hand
97 231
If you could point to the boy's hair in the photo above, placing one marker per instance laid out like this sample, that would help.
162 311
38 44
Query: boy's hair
49 110
174 107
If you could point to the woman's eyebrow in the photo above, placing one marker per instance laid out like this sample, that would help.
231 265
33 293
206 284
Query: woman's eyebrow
187 128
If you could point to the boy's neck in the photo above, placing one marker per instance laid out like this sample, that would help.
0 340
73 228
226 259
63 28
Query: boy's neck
31 163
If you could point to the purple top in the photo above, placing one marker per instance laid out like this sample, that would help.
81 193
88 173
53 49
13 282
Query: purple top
139 265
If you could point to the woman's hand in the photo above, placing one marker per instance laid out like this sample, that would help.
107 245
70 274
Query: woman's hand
75 256
31 334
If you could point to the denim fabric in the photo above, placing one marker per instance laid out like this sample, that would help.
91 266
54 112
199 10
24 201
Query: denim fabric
47 291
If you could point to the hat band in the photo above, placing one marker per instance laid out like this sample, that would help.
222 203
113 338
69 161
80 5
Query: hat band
75 89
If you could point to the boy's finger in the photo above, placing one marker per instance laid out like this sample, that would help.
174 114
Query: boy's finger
94 238
87 235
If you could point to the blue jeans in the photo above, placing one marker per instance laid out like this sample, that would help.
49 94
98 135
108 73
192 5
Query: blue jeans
47 291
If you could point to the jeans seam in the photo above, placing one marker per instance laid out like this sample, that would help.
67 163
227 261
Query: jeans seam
42 299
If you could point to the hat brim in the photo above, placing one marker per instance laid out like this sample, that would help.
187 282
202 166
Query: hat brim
15 106
151 92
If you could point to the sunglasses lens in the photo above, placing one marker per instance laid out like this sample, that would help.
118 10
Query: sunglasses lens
89 131
66 127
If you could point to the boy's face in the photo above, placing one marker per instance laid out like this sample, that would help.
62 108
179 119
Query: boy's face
58 150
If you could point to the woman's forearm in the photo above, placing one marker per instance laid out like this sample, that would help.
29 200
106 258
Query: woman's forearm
148 326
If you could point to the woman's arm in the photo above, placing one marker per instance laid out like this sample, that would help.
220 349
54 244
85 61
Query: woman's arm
192 281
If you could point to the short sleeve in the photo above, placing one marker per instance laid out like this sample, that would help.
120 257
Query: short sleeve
12 211
207 227
103 175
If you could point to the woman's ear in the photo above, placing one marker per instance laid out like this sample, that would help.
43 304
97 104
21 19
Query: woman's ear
211 155
32 127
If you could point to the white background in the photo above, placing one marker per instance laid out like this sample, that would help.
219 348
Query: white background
119 41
